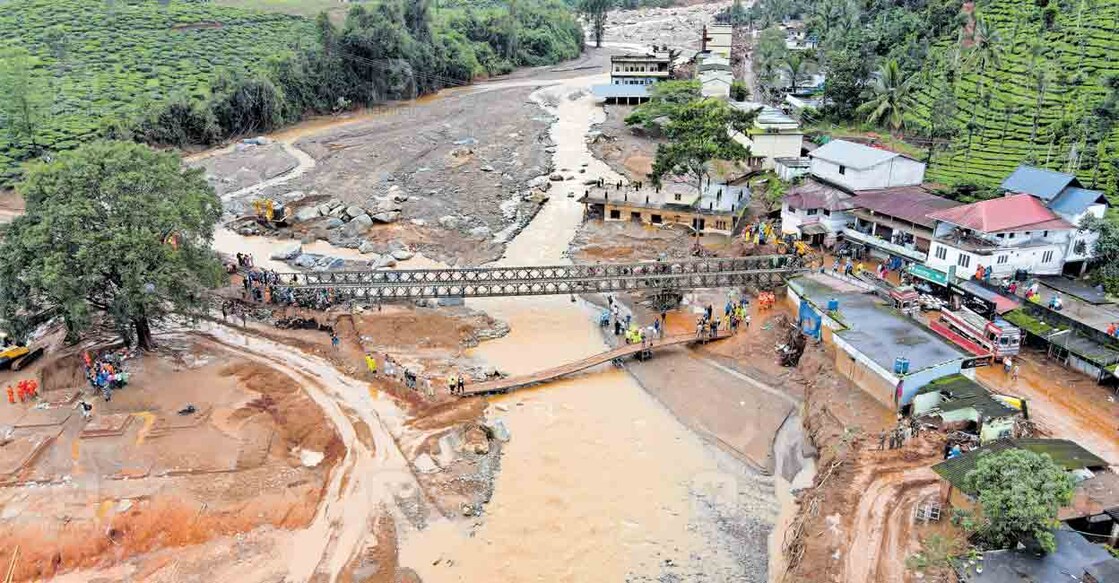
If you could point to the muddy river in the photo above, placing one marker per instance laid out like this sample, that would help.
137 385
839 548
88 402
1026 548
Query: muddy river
599 482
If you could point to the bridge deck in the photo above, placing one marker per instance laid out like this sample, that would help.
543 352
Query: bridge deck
517 382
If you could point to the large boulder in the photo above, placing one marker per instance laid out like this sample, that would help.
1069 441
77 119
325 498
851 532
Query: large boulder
354 211
359 224
288 251
402 255
306 261
448 221
366 247
382 261
333 223
482 232
386 217
307 213
324 209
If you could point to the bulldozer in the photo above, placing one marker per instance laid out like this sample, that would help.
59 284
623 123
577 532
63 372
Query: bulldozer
15 356
269 212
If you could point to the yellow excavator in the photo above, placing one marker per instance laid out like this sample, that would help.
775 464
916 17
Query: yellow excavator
16 356
269 212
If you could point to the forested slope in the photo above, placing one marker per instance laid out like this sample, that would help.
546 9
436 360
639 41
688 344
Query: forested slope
1041 104
190 72
93 61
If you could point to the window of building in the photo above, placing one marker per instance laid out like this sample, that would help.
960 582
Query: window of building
810 212
964 260
615 214
1045 233
1047 257
1010 236
826 212
656 219
941 252
1003 259
842 169
676 196
1002 235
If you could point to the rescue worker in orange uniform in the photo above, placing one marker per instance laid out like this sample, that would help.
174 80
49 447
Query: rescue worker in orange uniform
11 395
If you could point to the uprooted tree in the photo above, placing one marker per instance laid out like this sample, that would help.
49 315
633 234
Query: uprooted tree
114 228
1019 493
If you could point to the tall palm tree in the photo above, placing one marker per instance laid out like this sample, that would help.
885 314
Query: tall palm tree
893 98
985 54
797 64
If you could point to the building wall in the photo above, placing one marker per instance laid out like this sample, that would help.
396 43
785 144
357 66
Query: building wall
719 39
917 379
866 375
720 224
792 219
898 171
715 85
788 173
943 255
770 146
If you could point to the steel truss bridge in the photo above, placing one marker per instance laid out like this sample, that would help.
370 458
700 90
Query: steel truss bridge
762 271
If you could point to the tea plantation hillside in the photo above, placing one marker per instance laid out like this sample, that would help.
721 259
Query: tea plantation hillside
1037 105
94 61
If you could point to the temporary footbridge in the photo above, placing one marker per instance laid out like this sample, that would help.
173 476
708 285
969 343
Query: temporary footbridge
510 383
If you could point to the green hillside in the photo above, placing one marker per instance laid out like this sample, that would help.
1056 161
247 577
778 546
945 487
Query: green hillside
1066 50
95 60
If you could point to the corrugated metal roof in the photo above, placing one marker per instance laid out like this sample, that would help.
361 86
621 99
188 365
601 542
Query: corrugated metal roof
1042 183
852 155
909 203
1075 200
1073 556
1065 453
960 392
609 90
1019 212
816 195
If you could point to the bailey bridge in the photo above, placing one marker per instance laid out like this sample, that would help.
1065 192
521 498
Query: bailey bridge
761 271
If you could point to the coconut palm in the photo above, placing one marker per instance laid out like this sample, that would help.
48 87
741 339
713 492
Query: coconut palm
893 99
797 65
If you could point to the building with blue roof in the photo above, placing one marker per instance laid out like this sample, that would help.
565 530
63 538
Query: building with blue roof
1064 195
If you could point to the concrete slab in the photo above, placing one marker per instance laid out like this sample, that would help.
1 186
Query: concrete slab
21 452
38 417
113 424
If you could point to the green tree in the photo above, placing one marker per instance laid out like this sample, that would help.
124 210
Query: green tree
665 100
1019 492
739 91
699 133
24 102
985 54
893 99
769 54
798 65
1105 251
595 13
114 228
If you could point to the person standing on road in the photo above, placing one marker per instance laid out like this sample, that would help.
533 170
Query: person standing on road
370 363
335 341
1014 373
461 384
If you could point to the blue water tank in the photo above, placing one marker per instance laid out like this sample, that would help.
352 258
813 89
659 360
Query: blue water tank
833 305
901 365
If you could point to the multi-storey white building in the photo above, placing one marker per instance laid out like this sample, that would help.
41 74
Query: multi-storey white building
1007 234
774 135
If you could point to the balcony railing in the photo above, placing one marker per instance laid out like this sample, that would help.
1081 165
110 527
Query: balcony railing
885 245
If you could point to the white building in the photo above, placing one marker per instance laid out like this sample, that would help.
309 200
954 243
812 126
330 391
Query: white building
1008 234
815 210
643 69
1067 198
717 39
774 135
857 167
715 83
